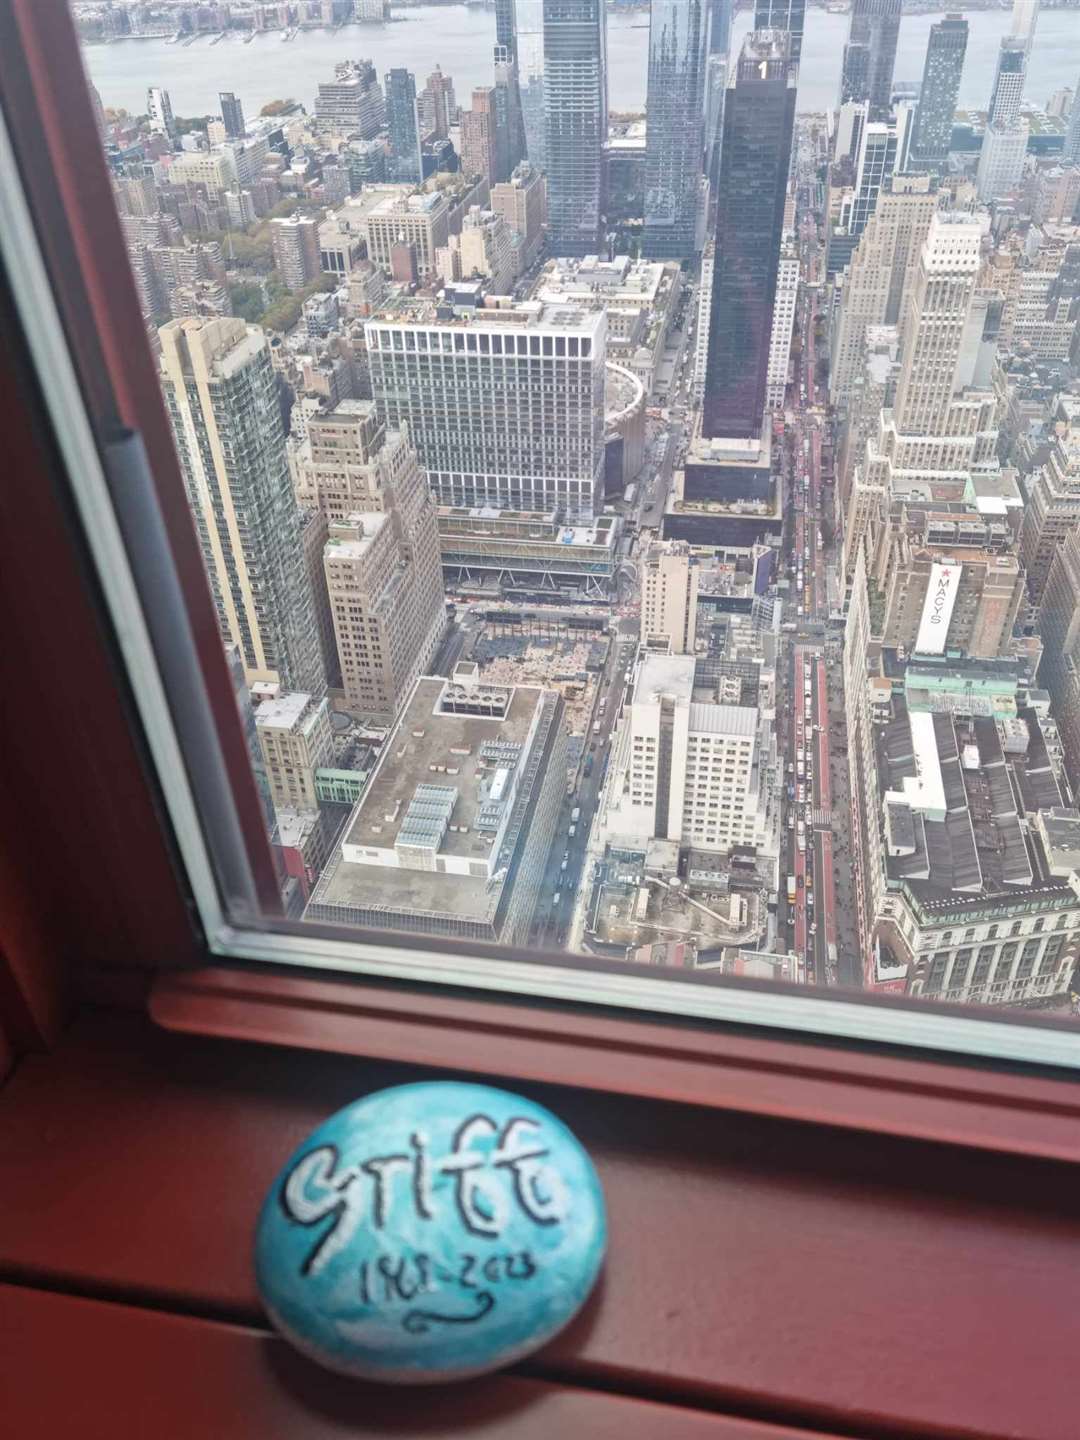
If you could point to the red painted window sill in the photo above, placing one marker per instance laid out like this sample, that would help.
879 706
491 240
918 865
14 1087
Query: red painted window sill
799 1274
969 1106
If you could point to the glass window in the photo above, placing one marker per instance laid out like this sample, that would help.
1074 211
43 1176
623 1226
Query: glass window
458 602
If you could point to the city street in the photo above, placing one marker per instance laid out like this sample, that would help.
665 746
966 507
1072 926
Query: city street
819 913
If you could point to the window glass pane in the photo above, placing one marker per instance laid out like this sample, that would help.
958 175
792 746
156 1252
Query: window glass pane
656 542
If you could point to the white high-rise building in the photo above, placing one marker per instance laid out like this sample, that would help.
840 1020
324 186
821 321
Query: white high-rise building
704 309
783 325
1024 17
505 407
693 773
159 109
222 398
1072 135
1004 148
669 590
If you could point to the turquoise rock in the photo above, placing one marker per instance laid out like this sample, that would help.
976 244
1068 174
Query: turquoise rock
430 1232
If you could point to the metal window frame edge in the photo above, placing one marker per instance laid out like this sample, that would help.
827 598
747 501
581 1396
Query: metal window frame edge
840 1020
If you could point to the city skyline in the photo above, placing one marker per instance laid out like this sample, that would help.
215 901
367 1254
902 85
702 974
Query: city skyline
621 460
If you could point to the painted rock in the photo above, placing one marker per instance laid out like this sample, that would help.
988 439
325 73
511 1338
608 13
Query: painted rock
430 1232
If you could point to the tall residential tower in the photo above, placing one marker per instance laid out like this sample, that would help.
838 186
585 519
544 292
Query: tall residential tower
932 133
870 54
221 394
674 138
575 123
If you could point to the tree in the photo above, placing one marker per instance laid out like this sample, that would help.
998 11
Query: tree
248 300
277 107
186 125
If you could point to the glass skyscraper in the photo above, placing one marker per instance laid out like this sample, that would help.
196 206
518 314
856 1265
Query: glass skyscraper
575 123
403 124
674 132
511 147
870 54
759 120
720 12
932 133
789 15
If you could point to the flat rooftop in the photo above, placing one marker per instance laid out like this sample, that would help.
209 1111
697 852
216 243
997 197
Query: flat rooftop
530 314
661 675
458 754
284 712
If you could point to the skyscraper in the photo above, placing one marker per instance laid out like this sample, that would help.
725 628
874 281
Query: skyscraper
505 409
295 242
789 15
511 146
232 115
383 572
870 54
575 123
221 394
478 127
720 26
1004 147
936 323
881 270
403 124
352 102
1024 17
880 153
437 105
932 133
674 138
1072 135
759 117
159 109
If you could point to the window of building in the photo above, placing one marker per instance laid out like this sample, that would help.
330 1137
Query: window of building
501 696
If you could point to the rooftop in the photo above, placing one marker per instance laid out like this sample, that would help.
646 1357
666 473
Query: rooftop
434 311
442 794
958 792
285 712
724 720
662 675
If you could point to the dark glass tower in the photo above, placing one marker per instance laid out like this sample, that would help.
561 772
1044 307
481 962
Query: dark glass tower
511 148
403 125
720 26
870 54
759 119
789 15
675 124
575 123
932 130
232 115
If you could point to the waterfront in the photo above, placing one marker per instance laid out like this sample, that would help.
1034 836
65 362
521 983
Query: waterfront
460 39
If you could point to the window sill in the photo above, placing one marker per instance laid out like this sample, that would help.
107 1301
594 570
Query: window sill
967 1105
779 1272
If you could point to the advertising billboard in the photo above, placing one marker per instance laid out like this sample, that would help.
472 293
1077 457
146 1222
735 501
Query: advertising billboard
937 609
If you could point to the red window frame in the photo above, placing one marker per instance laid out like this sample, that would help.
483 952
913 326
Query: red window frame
97 925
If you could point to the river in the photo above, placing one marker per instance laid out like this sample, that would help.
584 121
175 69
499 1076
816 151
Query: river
460 39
